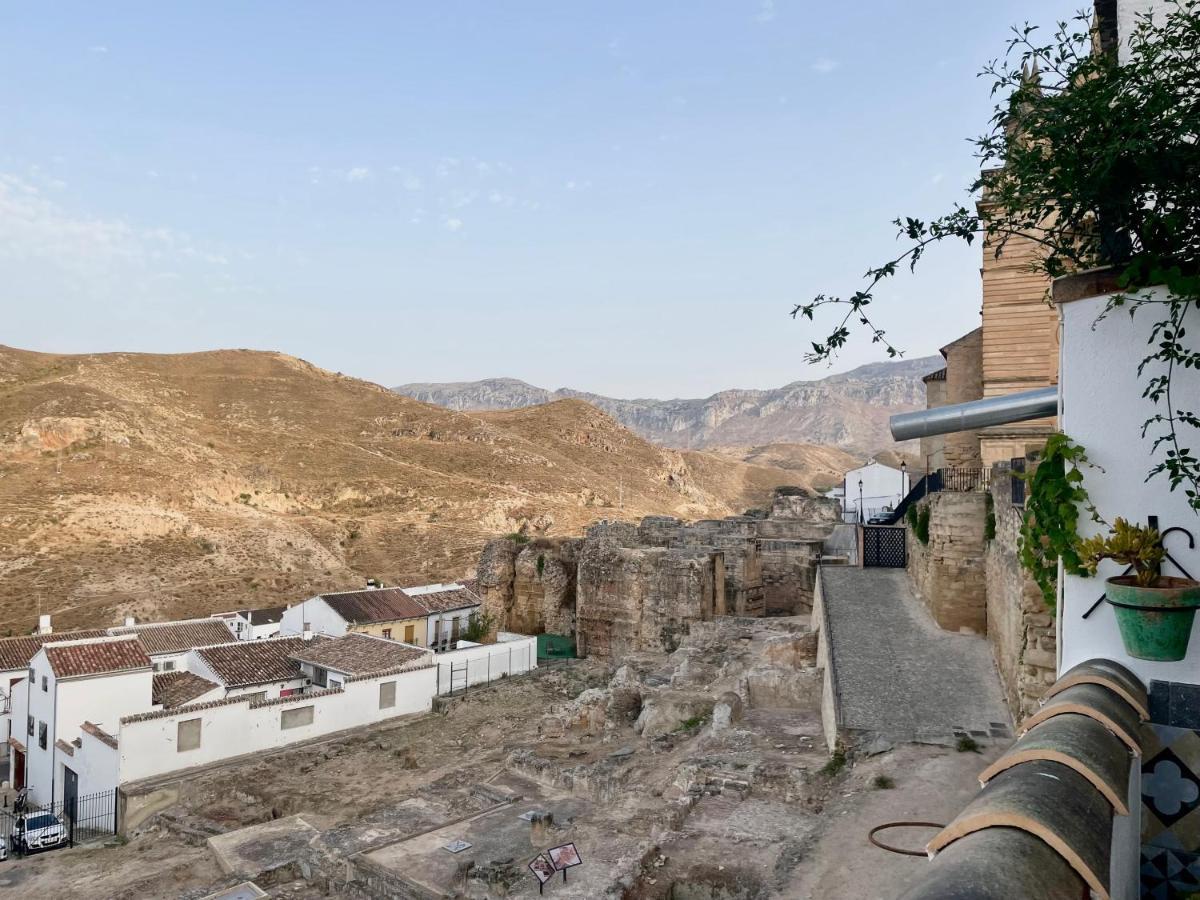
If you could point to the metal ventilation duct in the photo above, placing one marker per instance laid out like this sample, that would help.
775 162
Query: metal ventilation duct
976 414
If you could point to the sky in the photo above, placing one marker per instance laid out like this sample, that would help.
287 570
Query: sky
622 197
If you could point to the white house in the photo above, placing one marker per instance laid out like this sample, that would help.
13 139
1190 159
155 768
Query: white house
15 654
253 624
95 681
330 663
256 670
168 643
386 612
449 608
874 486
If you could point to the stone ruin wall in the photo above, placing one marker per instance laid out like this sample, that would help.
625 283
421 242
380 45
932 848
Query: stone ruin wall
948 572
632 599
1020 626
626 587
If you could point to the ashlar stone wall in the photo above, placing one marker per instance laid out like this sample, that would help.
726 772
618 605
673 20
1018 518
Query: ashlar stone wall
948 572
1020 627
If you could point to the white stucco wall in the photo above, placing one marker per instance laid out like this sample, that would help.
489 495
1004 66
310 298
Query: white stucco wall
882 487
447 623
148 748
65 705
94 761
458 669
1127 13
317 613
1103 410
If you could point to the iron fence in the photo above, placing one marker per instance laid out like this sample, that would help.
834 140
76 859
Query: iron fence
76 819
966 479
456 676
1016 470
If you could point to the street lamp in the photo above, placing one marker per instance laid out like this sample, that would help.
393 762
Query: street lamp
903 478
860 503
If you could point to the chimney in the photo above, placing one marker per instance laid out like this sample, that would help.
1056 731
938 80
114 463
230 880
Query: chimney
44 626
307 632
371 584
130 621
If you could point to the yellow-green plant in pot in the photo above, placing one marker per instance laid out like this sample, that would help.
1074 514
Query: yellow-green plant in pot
1154 611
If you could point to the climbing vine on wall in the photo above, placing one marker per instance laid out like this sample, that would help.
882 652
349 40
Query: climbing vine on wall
1050 531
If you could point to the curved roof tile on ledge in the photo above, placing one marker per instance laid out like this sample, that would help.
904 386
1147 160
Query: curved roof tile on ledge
1050 802
1110 674
980 867
1079 743
1096 702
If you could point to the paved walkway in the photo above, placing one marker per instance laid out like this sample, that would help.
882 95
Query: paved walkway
897 675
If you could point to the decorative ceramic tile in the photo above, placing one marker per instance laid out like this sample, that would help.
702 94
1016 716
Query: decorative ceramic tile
1168 874
1169 788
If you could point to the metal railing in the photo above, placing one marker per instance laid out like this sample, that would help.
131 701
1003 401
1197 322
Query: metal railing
64 823
965 479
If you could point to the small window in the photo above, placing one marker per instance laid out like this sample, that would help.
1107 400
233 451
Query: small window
187 735
387 633
256 697
296 718
387 694
42 735
169 666
45 684
320 677
410 633
29 730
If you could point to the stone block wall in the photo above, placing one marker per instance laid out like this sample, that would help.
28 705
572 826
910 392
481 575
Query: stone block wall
948 572
1020 627
634 599
789 572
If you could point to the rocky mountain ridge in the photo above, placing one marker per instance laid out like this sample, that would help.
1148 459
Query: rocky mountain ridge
848 410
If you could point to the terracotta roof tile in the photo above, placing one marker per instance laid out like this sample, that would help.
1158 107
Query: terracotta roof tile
244 663
177 688
99 734
175 637
445 600
361 654
374 605
16 652
100 656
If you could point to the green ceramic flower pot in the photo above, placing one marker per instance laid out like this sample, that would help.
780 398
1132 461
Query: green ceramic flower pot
1155 622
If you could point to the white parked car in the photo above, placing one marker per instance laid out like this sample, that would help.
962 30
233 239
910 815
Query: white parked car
3 848
38 831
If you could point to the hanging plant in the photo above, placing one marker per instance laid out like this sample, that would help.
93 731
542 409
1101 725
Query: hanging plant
1050 530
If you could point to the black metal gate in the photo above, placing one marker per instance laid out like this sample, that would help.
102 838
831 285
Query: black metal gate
883 546
76 819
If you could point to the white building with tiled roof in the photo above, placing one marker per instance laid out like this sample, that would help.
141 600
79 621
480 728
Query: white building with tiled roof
169 643
96 680
449 608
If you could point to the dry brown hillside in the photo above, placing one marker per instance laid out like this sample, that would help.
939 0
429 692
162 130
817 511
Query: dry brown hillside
164 486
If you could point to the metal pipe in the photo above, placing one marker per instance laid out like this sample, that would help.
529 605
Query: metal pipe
976 414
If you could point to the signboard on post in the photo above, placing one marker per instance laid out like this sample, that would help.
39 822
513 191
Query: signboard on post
564 857
543 870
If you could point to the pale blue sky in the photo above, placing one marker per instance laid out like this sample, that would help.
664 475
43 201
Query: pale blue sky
619 197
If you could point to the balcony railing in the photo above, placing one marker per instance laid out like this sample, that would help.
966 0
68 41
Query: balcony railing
965 479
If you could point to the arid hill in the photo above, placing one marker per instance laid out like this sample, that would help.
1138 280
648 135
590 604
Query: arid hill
163 486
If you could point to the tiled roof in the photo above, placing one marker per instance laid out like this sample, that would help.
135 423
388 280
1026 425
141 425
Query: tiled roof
244 663
266 616
100 656
374 605
452 597
360 654
99 734
175 637
939 375
176 688
16 652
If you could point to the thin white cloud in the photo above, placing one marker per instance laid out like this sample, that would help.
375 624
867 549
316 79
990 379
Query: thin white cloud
358 173
451 223
98 48
412 183
37 230
766 11
937 179
824 66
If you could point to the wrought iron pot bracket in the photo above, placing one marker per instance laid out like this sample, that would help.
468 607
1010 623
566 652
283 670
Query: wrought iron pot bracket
1152 521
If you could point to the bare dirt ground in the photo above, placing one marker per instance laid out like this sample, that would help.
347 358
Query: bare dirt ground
694 775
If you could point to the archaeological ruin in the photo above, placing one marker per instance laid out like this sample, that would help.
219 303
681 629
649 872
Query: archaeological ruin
624 588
